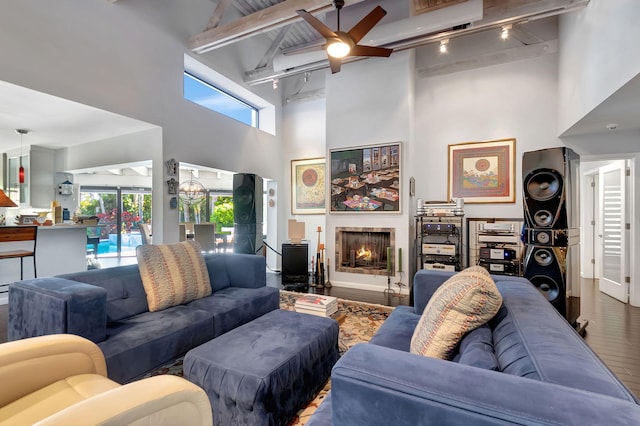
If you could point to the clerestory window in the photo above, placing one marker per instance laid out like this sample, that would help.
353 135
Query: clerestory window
202 93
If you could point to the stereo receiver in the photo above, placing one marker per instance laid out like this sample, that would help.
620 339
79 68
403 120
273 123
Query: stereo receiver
440 249
497 253
439 267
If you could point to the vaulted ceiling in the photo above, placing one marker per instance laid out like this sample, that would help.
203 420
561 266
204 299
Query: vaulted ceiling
296 47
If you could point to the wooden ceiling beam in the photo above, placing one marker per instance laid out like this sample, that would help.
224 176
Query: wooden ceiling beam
217 14
263 20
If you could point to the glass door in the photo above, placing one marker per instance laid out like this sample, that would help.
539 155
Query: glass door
118 211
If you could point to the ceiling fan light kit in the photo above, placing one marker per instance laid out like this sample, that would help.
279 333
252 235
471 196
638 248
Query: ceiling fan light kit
339 47
342 44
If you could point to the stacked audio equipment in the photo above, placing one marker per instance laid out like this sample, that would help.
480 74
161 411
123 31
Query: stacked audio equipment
439 242
247 213
551 232
496 245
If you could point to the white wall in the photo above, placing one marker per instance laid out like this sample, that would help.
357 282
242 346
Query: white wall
371 102
305 137
127 57
599 54
514 100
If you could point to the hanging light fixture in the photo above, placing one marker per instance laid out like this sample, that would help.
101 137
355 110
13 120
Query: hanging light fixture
21 132
191 191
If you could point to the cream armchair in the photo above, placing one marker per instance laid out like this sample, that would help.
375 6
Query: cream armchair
62 380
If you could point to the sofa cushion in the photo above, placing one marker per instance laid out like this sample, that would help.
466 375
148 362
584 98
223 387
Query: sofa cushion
173 274
151 339
476 349
464 302
396 331
232 306
218 274
125 294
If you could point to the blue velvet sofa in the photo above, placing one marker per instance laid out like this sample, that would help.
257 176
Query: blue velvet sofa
526 366
109 307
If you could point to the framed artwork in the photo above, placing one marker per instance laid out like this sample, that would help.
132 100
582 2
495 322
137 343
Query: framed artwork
482 172
366 179
27 219
307 186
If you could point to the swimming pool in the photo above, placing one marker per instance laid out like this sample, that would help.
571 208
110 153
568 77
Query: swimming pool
129 244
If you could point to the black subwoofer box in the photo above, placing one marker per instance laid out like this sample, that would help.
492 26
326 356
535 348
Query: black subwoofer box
294 265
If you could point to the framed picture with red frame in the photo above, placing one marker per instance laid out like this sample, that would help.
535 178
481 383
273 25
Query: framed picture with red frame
482 172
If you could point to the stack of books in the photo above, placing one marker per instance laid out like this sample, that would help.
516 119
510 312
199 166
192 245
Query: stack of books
315 304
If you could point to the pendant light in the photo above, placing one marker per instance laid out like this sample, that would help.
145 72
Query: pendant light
21 132
191 191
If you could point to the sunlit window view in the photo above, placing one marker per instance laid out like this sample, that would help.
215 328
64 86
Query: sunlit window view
118 213
208 96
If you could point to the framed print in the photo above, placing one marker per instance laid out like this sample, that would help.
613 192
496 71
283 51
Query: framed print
482 172
366 179
307 186
27 219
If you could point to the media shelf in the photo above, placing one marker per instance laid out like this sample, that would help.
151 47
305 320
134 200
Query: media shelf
439 242
496 245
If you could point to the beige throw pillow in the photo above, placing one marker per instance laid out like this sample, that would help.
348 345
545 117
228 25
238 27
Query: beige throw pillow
172 274
464 302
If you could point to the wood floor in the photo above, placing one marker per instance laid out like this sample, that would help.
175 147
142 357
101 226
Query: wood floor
613 331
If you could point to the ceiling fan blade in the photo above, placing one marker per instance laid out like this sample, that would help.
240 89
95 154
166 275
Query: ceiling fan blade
335 64
370 51
360 29
325 31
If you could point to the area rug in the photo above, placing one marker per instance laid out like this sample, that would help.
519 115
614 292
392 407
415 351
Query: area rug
361 321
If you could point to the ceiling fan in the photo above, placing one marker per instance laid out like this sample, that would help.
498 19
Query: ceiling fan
341 44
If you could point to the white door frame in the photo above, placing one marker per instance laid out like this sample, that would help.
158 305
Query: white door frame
589 167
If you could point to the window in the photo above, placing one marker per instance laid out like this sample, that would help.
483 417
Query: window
227 97
208 96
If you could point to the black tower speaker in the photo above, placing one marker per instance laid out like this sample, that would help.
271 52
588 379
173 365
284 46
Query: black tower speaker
247 213
549 179
546 268
295 272
247 198
551 262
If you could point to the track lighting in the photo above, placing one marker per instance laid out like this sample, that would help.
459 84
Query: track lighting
443 45
504 34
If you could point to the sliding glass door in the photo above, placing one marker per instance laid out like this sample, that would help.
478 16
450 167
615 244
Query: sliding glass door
119 211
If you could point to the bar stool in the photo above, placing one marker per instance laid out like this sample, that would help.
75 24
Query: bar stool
10 234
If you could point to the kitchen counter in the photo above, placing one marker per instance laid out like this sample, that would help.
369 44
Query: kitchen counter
60 249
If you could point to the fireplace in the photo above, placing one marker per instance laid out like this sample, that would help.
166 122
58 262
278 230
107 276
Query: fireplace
364 250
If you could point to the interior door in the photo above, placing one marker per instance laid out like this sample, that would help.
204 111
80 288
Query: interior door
612 196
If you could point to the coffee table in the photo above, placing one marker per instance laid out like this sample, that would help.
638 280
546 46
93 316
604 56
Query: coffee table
263 372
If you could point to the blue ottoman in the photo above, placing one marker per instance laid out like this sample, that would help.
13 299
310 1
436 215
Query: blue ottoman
263 372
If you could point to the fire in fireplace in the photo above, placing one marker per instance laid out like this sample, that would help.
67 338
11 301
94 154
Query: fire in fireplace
364 250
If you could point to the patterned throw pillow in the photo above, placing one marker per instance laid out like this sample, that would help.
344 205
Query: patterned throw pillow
464 302
172 274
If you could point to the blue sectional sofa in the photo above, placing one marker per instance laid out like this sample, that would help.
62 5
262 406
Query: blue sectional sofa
526 366
109 307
